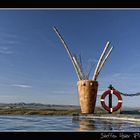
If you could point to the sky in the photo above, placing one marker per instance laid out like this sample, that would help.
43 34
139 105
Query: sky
35 67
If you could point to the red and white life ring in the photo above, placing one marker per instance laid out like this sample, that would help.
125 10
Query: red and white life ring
117 107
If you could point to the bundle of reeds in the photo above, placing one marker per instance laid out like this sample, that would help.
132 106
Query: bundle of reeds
78 66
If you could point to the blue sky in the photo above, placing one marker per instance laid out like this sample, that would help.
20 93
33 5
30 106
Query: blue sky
34 66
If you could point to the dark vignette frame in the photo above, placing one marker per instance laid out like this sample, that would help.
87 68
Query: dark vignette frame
67 4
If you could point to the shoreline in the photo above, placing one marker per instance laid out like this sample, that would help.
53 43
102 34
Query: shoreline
54 110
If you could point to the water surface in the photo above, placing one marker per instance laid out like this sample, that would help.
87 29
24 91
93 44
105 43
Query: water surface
35 123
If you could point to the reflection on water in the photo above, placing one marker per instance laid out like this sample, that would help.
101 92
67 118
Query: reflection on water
84 124
110 125
99 125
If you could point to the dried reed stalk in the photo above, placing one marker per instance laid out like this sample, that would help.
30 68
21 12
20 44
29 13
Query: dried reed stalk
103 62
69 53
100 61
82 76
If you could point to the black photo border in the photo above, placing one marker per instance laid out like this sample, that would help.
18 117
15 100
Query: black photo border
69 4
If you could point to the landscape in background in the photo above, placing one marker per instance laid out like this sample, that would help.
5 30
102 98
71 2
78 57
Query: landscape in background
34 67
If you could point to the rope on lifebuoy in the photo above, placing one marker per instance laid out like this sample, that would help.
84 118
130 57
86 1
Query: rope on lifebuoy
117 107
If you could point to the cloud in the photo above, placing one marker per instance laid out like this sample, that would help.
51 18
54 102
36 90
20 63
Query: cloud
124 82
5 50
7 42
57 92
9 98
117 75
5 34
8 38
93 60
21 86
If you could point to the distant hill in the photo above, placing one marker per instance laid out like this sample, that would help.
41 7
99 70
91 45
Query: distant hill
49 106
37 105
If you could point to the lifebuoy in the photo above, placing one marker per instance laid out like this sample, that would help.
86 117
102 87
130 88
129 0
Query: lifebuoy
117 107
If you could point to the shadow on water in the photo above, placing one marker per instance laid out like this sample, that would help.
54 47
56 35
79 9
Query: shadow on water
96 125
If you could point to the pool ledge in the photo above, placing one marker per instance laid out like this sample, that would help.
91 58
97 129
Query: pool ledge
115 117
